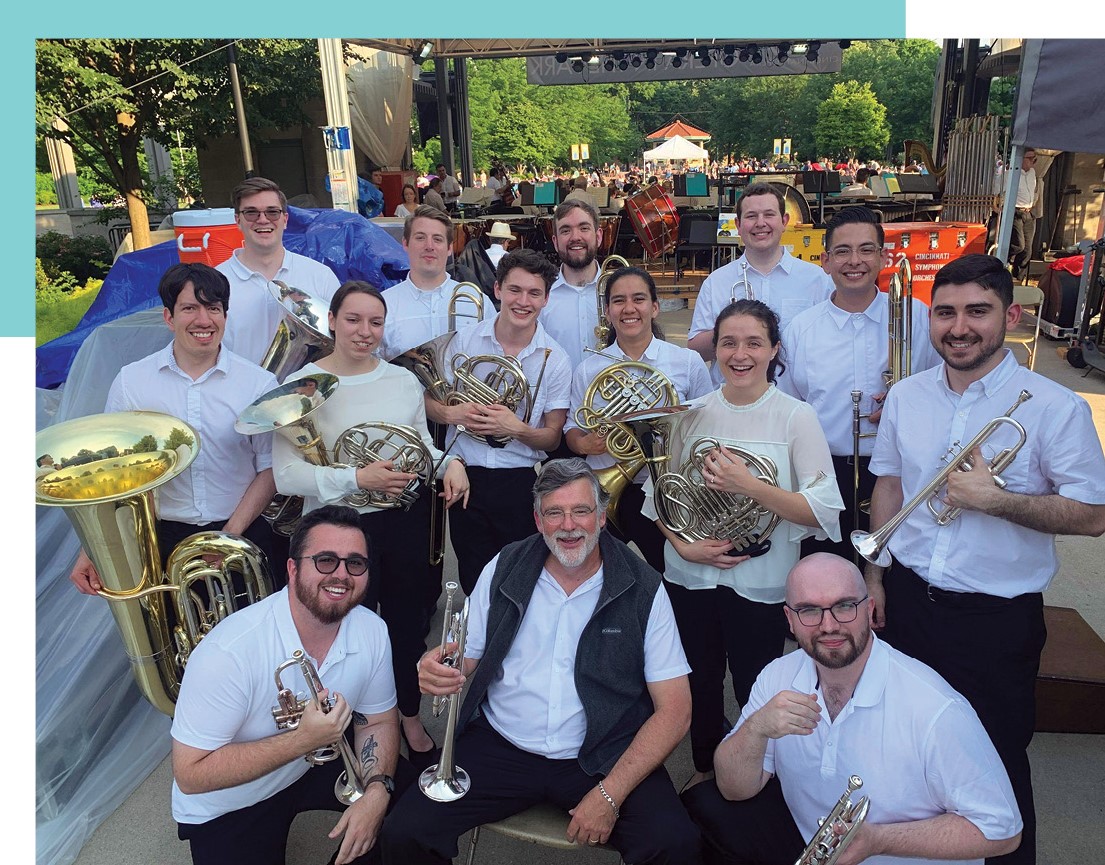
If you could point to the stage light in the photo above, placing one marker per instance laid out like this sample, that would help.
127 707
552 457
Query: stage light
636 61
609 64
744 55
561 57
845 43
677 62
811 54
623 64
784 51
577 65
650 63
757 56
423 51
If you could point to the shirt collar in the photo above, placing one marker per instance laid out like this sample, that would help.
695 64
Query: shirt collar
561 281
843 316
993 381
289 634
166 359
785 264
872 681
243 271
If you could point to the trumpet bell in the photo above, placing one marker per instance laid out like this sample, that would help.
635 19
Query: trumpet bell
872 547
444 789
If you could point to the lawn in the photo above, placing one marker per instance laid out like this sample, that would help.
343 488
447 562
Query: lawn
55 319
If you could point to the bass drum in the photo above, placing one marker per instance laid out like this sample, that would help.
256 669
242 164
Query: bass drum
797 208
654 219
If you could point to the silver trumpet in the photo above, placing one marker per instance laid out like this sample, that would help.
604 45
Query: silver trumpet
826 846
872 545
446 781
742 284
288 712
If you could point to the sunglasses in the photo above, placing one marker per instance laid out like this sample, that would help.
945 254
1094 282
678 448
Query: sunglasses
327 563
252 214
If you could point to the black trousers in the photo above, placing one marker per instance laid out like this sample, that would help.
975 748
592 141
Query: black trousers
274 546
845 481
401 583
500 510
988 648
635 528
1020 242
259 834
756 831
653 827
718 627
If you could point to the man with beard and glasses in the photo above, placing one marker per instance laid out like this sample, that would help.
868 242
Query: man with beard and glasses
239 781
578 691
850 704
978 581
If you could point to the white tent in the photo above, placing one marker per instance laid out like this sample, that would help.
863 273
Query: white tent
677 147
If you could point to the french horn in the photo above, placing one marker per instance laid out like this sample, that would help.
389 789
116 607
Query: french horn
108 468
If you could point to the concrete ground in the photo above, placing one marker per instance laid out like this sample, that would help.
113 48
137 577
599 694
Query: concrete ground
1069 769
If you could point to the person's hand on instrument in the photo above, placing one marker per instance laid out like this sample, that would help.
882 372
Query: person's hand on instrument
85 576
381 477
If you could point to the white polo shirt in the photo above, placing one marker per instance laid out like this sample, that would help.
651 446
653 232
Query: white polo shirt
915 742
830 352
1062 456
227 461
254 314
415 316
533 701
685 369
228 691
554 393
788 288
571 316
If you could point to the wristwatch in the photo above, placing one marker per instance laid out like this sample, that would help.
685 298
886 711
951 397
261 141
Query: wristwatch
386 780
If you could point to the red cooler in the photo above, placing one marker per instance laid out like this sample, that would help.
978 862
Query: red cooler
206 236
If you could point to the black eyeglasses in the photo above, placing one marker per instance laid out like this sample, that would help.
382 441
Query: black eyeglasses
252 214
327 563
843 611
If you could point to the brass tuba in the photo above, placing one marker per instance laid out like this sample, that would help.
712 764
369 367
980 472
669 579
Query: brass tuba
288 712
110 466
303 334
827 845
611 264
624 387
872 545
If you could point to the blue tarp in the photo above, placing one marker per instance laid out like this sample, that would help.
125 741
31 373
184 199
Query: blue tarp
348 243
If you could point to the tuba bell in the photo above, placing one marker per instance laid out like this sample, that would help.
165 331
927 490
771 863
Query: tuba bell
302 335
109 467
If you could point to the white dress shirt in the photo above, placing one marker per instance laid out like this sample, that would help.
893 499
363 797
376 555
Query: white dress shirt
389 393
788 288
415 316
254 314
533 701
571 316
830 352
227 462
786 431
228 692
915 742
554 393
685 369
1062 456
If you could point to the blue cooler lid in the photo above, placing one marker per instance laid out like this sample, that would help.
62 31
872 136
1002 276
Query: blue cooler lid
203 218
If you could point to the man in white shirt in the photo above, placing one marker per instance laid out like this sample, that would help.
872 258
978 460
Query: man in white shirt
418 307
849 704
239 776
766 271
499 236
579 691
261 210
1024 222
841 345
572 312
202 382
501 475
977 582
450 186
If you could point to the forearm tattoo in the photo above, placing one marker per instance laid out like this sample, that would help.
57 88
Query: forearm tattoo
368 755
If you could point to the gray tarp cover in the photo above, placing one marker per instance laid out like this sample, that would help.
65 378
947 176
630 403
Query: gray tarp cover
1061 101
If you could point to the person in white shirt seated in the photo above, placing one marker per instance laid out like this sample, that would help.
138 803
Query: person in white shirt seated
578 691
500 237
850 704
410 201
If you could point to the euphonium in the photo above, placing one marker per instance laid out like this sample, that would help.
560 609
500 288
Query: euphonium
288 712
288 410
609 266
826 846
872 545
110 465
623 387
302 335
446 781
693 512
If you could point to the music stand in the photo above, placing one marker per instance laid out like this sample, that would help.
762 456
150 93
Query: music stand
916 185
820 183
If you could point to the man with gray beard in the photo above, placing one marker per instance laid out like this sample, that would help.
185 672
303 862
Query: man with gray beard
849 704
579 691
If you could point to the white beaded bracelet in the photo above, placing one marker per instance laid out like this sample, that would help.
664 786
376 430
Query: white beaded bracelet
610 800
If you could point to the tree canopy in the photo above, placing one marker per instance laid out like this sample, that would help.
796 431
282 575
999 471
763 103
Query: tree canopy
852 122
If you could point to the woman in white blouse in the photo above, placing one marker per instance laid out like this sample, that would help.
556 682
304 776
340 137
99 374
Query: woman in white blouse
410 201
369 390
729 607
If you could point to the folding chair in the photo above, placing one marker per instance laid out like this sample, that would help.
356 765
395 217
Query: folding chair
1026 335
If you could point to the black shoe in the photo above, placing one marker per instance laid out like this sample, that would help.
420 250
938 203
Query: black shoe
420 759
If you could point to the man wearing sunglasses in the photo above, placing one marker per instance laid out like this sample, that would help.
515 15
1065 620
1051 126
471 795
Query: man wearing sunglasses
239 781
849 704
261 212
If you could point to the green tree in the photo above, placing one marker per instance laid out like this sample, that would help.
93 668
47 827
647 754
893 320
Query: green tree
178 437
851 122
146 444
114 92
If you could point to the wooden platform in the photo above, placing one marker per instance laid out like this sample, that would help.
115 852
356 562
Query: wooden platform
1070 687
